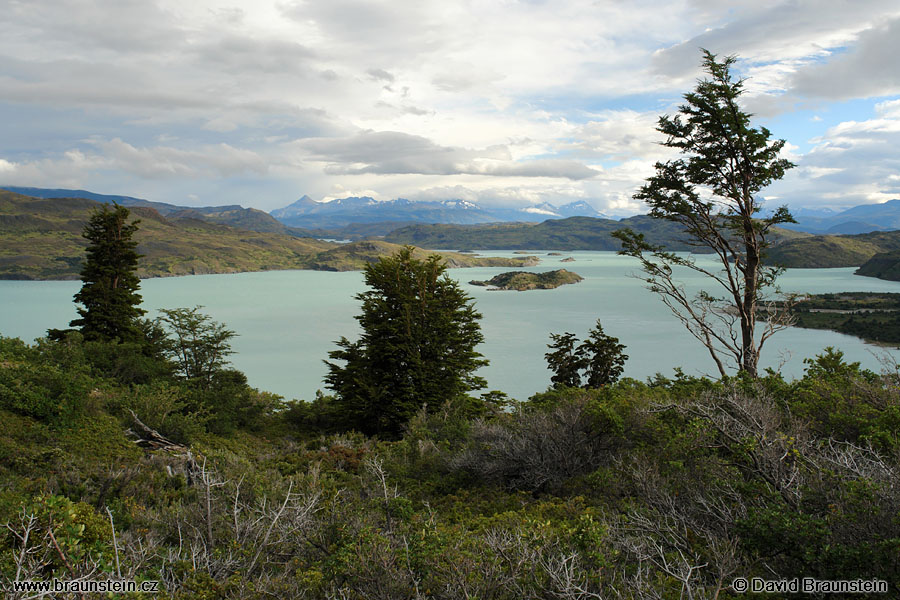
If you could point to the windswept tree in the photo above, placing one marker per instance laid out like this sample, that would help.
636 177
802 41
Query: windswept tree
712 190
110 303
417 348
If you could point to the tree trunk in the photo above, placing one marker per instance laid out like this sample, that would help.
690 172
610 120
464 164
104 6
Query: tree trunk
749 351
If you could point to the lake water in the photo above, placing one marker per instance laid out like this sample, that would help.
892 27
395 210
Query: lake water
287 321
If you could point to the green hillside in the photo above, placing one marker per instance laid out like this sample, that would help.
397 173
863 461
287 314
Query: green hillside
830 251
871 316
884 265
574 233
41 239
242 218
354 257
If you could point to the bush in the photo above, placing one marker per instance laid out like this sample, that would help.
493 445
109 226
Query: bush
540 447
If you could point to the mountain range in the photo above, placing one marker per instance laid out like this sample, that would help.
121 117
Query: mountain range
864 218
357 217
233 215
309 213
356 213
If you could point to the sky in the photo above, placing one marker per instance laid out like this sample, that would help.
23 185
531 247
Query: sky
502 102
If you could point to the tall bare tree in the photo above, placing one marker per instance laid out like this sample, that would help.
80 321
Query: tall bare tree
711 191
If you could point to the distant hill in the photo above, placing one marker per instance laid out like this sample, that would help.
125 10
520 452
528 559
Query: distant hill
884 265
573 233
864 218
354 256
829 251
358 216
250 219
310 214
40 238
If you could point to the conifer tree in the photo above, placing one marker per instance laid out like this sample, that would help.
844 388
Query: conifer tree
600 356
110 303
417 348
564 361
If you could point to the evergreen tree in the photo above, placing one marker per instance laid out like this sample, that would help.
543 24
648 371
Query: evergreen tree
600 356
603 357
564 361
417 348
109 294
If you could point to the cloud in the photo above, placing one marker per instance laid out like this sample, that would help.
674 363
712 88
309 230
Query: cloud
243 55
854 162
870 68
617 136
158 162
776 32
122 27
165 161
515 101
381 75
392 152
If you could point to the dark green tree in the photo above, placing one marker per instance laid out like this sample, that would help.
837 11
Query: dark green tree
110 303
603 357
600 357
711 191
417 348
564 361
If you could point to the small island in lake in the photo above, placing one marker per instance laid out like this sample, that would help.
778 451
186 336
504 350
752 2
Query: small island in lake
522 280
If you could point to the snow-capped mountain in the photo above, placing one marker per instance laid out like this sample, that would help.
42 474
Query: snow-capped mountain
309 213
579 208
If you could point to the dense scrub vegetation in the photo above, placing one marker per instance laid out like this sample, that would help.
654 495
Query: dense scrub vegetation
657 489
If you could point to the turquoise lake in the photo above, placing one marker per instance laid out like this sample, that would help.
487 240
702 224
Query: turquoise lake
287 321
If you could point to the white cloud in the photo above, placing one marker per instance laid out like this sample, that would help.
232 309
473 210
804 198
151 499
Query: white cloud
870 68
854 162
165 161
159 162
778 31
391 152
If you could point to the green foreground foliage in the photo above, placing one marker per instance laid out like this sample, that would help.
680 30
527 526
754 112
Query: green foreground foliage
668 488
